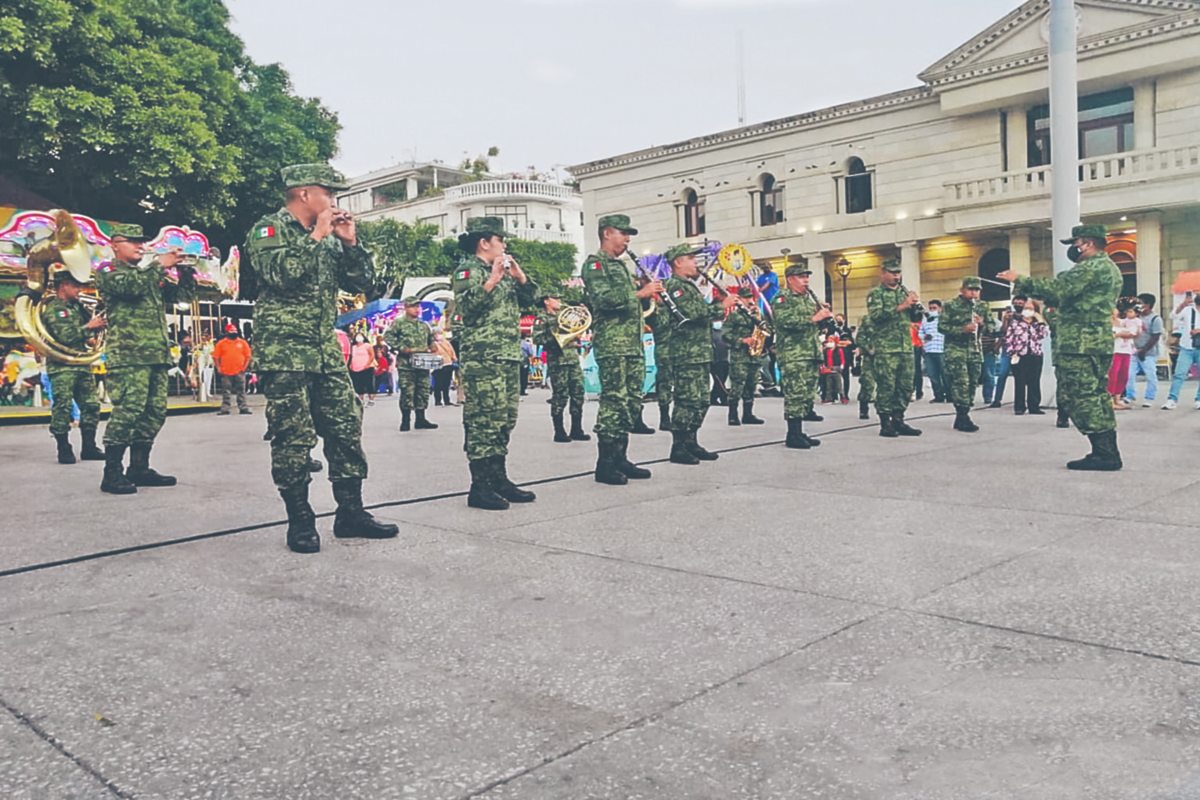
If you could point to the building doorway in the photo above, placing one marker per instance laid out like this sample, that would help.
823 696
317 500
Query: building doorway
1122 249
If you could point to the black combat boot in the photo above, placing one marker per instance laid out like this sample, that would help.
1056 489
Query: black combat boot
733 417
801 434
502 486
962 420
1063 420
1104 456
902 427
114 480
627 467
405 420
680 452
887 428
140 472
795 438
748 417
423 424
302 523
315 465
482 494
65 454
577 434
88 450
606 463
812 416
698 451
352 521
560 432
639 425
664 416
864 409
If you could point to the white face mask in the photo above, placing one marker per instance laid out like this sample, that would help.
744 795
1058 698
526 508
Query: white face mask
1027 313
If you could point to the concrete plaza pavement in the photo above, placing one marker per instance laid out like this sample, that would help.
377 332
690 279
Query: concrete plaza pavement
954 616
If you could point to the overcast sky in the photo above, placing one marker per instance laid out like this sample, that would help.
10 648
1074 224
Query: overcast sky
559 82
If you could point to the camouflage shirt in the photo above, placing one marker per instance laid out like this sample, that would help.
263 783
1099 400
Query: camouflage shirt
662 323
864 337
957 313
298 281
1085 296
795 332
64 321
408 333
738 326
616 311
135 302
891 330
691 342
493 319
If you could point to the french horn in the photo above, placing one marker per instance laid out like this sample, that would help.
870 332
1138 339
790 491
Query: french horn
572 321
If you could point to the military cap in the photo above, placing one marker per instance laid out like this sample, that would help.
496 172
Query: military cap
891 265
412 299
60 271
313 175
127 231
489 226
1087 232
971 282
797 271
745 291
679 250
619 221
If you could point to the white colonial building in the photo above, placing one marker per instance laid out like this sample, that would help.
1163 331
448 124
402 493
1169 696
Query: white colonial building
953 175
442 196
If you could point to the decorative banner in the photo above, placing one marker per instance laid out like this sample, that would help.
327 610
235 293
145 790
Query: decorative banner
27 228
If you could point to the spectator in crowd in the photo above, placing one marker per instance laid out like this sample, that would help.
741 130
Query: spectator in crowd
528 352
203 364
1186 324
1004 365
443 375
768 283
1023 339
845 338
362 369
344 341
918 357
231 356
834 355
990 343
183 362
934 345
383 368
1126 327
1145 352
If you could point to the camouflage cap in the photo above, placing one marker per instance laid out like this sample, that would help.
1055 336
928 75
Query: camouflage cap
797 271
126 231
1087 232
679 250
971 282
313 175
411 300
891 265
745 291
619 221
489 226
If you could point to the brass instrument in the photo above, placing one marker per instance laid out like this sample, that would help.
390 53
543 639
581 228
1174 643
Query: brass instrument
572 321
66 246
665 298
734 260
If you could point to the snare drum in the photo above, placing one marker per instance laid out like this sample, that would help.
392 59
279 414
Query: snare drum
430 361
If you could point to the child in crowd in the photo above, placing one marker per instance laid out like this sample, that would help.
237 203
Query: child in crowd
1126 326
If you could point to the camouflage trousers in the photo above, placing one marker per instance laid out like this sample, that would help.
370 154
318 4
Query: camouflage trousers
798 379
566 385
139 404
621 380
67 384
304 405
743 377
893 381
691 395
493 395
664 379
1083 390
960 376
866 380
412 386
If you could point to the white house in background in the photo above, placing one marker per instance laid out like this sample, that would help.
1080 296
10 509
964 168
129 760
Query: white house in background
953 175
443 196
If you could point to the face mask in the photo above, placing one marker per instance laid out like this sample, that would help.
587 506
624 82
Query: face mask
1073 254
1027 313
360 340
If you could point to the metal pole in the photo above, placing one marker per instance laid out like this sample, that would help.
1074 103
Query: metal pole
1064 127
845 306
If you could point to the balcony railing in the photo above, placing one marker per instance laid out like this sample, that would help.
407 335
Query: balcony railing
1120 168
543 235
509 188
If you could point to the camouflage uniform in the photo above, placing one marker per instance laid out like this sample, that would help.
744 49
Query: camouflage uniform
616 342
64 322
743 367
662 324
412 385
893 360
865 341
691 353
798 351
964 357
563 369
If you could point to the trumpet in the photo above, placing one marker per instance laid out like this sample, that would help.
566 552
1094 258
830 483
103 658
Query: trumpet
672 306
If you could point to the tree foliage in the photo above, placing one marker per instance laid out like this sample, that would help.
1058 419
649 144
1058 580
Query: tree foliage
149 111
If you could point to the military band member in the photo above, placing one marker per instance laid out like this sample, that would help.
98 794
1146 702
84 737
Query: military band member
564 372
892 312
797 317
299 257
65 319
961 322
138 355
1084 297
409 334
738 331
616 305
691 354
864 340
490 289
662 324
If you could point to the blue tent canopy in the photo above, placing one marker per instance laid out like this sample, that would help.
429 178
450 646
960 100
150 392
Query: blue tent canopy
369 310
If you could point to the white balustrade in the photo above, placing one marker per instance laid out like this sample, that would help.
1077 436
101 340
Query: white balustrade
509 187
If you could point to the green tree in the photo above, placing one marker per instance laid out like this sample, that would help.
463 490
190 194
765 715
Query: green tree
402 250
149 111
548 263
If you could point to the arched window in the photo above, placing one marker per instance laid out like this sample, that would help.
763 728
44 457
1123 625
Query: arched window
992 264
693 214
770 200
858 186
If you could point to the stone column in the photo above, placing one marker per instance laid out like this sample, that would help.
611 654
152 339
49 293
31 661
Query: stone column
410 189
1018 251
1143 118
1017 139
910 264
1149 257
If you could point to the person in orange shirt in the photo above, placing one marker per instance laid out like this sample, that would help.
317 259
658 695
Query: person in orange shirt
231 356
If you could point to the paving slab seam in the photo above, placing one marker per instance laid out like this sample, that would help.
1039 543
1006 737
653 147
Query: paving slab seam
25 721
646 719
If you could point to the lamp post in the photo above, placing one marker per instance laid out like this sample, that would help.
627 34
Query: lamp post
843 268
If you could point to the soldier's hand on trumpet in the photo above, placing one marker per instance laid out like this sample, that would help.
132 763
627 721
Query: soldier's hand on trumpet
96 323
344 227
170 258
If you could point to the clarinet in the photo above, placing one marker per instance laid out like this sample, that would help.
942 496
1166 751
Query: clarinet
665 297
917 310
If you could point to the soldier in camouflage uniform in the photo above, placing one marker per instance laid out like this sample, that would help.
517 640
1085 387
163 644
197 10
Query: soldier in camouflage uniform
662 324
564 372
865 341
64 318
691 354
961 321
138 356
1085 296
891 312
490 289
737 331
1062 418
615 301
407 335
797 316
299 256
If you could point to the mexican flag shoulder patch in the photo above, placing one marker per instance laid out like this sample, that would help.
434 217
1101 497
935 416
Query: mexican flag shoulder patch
595 265
677 293
64 313
264 232
462 275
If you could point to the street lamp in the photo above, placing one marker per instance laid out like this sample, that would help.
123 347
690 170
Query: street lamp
843 268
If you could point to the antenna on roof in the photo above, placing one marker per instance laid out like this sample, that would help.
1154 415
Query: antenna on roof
741 79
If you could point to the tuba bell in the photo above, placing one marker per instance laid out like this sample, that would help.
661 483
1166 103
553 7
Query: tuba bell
572 321
66 247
